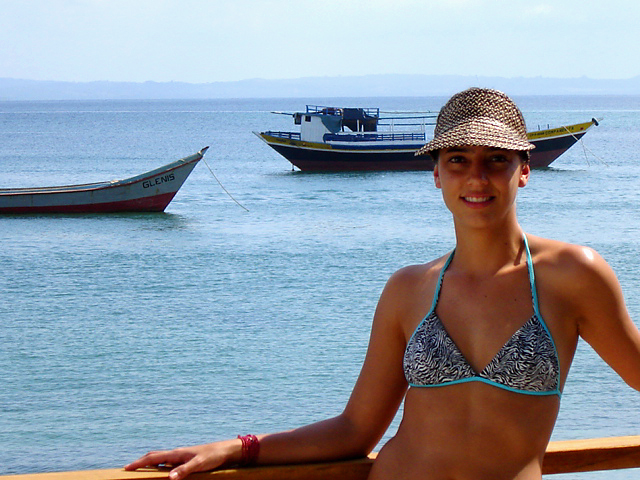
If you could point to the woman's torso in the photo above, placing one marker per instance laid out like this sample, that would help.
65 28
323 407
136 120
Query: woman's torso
475 430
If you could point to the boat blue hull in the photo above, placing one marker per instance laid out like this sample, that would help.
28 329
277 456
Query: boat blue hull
548 150
340 160
326 160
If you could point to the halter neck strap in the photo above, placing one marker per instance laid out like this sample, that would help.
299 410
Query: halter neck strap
532 278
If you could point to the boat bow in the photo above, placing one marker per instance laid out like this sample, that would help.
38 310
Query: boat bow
151 191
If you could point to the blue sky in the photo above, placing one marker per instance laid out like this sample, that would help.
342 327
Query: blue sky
202 41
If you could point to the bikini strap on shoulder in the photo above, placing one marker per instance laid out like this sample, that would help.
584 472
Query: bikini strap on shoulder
436 294
532 276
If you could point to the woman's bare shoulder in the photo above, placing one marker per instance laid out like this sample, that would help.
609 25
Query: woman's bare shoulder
414 276
569 266
410 283
408 290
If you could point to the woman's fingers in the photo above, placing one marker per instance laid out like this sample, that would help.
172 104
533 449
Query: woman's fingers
196 464
206 458
186 460
152 459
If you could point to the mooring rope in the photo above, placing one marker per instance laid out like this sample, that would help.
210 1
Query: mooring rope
584 148
222 186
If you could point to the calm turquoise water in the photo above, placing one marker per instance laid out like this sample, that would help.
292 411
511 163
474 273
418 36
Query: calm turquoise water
130 332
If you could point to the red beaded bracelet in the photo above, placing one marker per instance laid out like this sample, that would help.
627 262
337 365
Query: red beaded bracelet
250 449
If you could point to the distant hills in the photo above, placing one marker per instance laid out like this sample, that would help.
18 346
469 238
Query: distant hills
340 86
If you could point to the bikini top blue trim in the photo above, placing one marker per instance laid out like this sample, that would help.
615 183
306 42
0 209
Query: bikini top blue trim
527 363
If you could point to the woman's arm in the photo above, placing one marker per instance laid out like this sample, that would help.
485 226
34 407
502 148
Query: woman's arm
374 402
604 321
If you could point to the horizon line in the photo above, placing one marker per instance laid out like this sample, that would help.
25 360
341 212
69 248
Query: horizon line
327 77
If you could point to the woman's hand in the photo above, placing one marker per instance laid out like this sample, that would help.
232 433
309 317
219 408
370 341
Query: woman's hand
187 460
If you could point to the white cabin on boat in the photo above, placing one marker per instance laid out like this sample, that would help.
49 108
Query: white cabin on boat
318 121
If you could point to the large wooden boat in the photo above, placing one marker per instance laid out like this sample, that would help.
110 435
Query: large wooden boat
356 139
552 142
561 457
149 192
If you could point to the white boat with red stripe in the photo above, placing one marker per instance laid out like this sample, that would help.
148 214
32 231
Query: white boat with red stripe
149 192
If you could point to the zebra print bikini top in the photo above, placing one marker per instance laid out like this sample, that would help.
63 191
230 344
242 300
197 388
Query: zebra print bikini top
527 363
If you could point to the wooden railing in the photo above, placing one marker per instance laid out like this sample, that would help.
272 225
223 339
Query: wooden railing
561 457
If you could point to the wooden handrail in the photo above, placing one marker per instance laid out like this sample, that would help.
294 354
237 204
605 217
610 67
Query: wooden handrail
561 457
611 453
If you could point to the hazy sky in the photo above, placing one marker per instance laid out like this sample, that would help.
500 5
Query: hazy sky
207 41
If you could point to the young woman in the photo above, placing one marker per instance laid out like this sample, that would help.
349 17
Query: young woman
477 343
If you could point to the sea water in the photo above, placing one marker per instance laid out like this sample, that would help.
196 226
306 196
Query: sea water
130 332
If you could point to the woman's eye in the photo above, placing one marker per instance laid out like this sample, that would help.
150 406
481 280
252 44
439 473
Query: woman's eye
498 159
457 159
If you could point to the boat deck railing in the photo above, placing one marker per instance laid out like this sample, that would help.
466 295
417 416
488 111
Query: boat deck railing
357 137
369 111
374 137
289 135
392 122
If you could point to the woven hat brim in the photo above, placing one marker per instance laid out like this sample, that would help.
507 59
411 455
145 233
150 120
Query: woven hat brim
478 132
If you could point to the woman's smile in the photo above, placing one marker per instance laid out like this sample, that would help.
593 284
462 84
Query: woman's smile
478 200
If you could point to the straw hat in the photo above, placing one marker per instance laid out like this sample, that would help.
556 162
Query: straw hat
479 117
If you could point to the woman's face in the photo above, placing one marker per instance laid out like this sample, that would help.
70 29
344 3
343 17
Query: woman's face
480 184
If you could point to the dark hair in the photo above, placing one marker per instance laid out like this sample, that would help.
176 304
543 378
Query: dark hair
524 155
